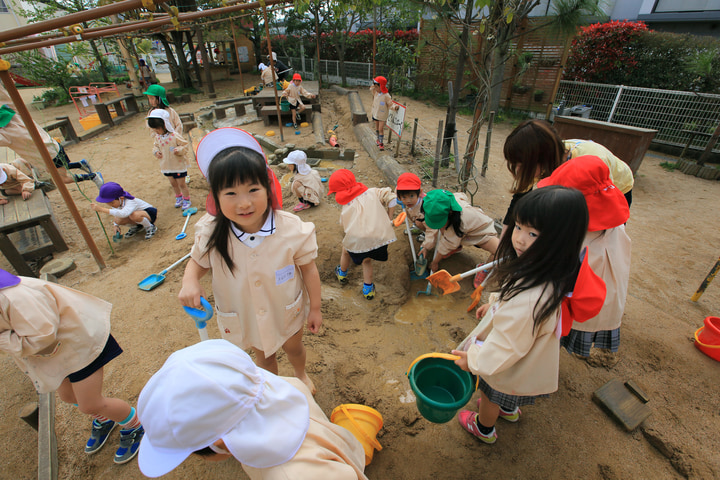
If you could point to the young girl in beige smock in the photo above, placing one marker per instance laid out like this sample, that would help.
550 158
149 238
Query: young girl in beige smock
171 149
514 350
14 182
265 282
609 249
307 184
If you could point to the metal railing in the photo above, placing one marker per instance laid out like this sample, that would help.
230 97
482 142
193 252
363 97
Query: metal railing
357 73
676 115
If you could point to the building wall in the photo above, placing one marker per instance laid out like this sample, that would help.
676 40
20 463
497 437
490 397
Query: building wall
8 18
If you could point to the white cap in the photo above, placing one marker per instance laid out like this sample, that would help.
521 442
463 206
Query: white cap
3 176
262 67
299 158
164 115
213 390
220 139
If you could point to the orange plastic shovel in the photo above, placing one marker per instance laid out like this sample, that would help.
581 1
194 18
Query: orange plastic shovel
400 218
449 284
477 293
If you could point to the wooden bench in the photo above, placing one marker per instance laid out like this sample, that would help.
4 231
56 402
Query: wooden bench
103 109
269 114
221 110
691 137
28 231
66 129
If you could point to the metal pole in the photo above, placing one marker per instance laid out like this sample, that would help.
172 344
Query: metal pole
438 148
412 145
615 103
272 65
49 165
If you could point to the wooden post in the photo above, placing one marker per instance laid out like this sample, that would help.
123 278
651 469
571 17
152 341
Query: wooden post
206 63
438 149
47 442
412 145
49 165
558 76
708 148
397 148
272 66
488 137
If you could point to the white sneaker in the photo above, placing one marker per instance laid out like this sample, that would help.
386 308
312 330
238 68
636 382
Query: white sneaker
150 231
98 179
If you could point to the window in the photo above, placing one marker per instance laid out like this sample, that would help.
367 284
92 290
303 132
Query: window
676 6
3 7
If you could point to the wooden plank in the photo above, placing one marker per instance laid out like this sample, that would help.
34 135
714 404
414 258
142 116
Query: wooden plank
47 442
621 404
14 257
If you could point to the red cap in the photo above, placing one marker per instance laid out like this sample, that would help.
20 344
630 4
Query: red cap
589 174
408 181
586 299
296 76
382 82
343 184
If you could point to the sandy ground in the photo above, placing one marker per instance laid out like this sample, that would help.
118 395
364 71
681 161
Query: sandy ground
364 347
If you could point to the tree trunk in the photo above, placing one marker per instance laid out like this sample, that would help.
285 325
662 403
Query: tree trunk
459 74
183 77
172 64
206 64
193 57
101 61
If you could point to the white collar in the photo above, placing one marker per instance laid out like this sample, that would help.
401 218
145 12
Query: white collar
252 240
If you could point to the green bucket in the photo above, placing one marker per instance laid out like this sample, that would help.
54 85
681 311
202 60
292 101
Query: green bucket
441 388
284 105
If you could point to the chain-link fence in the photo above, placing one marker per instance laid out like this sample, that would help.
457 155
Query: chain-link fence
357 73
677 116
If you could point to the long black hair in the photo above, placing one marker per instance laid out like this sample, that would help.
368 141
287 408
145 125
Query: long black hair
560 214
228 168
154 122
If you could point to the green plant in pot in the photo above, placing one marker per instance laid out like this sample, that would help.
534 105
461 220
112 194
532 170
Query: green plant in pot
538 95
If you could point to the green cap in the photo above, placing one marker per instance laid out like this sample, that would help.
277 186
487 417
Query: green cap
6 114
437 205
157 91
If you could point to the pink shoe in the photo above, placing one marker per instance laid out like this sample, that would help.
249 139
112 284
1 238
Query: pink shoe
300 207
510 417
468 420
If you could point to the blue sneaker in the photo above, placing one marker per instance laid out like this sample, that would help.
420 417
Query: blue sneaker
369 291
341 276
99 435
129 444
85 166
98 179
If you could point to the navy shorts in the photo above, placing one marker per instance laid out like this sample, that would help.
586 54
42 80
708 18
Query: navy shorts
293 107
176 174
379 254
152 211
111 350
61 159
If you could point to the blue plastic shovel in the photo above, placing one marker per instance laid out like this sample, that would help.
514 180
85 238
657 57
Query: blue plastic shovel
201 316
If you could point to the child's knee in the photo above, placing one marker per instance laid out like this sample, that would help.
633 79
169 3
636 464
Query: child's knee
91 407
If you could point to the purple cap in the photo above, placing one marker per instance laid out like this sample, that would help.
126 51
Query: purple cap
7 279
110 192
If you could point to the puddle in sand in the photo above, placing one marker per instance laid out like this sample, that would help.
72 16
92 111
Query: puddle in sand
419 307
285 180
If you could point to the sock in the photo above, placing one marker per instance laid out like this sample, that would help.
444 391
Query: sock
380 137
83 176
509 412
186 198
100 418
74 165
367 284
145 223
483 429
178 196
131 422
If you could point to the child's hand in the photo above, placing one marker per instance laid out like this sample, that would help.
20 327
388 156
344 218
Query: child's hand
190 294
116 229
95 207
462 361
25 195
158 155
482 310
314 321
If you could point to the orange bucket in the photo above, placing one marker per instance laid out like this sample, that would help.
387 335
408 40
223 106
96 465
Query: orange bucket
363 422
711 333
712 351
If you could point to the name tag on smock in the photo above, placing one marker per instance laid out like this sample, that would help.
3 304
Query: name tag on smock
284 274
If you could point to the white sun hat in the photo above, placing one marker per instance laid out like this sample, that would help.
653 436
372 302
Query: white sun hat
213 390
164 115
3 176
298 158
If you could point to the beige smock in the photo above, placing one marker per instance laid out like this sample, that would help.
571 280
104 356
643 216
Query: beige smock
381 105
514 359
477 229
328 452
610 260
293 93
266 77
415 212
265 302
308 187
174 149
16 178
366 222
16 137
51 331
620 172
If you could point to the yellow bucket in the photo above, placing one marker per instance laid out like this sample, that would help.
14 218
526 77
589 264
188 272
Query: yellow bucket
363 422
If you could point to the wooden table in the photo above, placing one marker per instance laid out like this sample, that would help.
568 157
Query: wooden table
28 230
266 96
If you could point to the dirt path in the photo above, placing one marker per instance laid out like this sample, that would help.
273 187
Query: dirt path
364 348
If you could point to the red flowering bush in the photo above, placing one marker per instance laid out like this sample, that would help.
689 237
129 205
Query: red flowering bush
603 52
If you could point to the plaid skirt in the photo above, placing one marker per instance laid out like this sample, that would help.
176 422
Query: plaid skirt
506 402
580 343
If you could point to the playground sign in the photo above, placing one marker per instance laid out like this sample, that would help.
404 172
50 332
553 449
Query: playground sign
396 118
